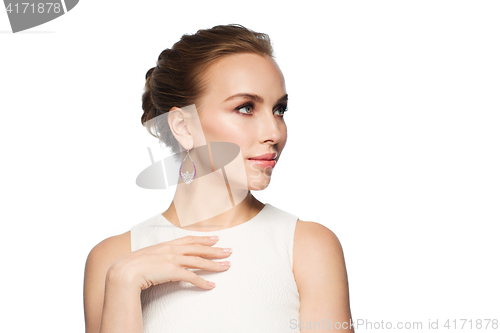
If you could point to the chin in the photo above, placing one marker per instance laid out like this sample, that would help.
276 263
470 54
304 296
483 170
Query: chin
258 185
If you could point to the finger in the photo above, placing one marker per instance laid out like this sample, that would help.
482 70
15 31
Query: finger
197 262
203 251
186 240
194 279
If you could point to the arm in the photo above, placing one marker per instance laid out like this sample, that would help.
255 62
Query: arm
321 278
122 305
110 303
115 277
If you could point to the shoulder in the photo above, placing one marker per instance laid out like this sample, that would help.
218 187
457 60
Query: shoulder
112 247
315 237
103 255
315 248
99 259
320 274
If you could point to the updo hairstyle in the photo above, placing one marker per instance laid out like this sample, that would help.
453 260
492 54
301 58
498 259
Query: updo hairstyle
176 81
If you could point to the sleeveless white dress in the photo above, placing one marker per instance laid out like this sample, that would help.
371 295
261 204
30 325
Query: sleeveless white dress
258 293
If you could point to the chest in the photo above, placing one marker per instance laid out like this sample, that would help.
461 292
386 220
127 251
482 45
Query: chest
257 293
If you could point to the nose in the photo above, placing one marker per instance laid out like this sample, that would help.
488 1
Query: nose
270 128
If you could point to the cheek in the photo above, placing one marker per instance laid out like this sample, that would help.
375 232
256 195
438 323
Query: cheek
224 129
284 136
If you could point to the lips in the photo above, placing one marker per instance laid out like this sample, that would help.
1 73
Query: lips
265 157
264 161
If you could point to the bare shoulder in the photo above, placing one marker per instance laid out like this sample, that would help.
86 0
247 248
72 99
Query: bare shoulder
99 259
105 253
320 273
113 247
314 245
313 236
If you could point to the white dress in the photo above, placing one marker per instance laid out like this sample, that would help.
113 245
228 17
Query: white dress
258 293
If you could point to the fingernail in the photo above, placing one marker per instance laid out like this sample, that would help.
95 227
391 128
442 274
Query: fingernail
228 250
211 284
214 237
225 263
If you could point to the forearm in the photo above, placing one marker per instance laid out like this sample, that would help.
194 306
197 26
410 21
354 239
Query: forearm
122 311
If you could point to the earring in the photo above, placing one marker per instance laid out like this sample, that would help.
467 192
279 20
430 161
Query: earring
187 176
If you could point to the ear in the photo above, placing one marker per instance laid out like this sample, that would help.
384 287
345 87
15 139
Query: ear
177 120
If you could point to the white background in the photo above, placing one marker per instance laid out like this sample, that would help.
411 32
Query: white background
393 143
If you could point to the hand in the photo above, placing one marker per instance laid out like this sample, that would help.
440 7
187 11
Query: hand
166 262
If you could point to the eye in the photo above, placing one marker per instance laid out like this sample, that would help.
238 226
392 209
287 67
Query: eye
282 109
247 107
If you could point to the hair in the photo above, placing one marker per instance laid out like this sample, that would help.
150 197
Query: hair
176 81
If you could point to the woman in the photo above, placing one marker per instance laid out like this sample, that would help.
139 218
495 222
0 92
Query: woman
210 92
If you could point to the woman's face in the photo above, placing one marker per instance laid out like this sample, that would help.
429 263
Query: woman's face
244 103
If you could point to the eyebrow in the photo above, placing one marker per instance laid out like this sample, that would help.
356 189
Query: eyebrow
254 97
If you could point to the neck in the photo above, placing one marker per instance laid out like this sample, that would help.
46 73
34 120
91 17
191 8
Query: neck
204 205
